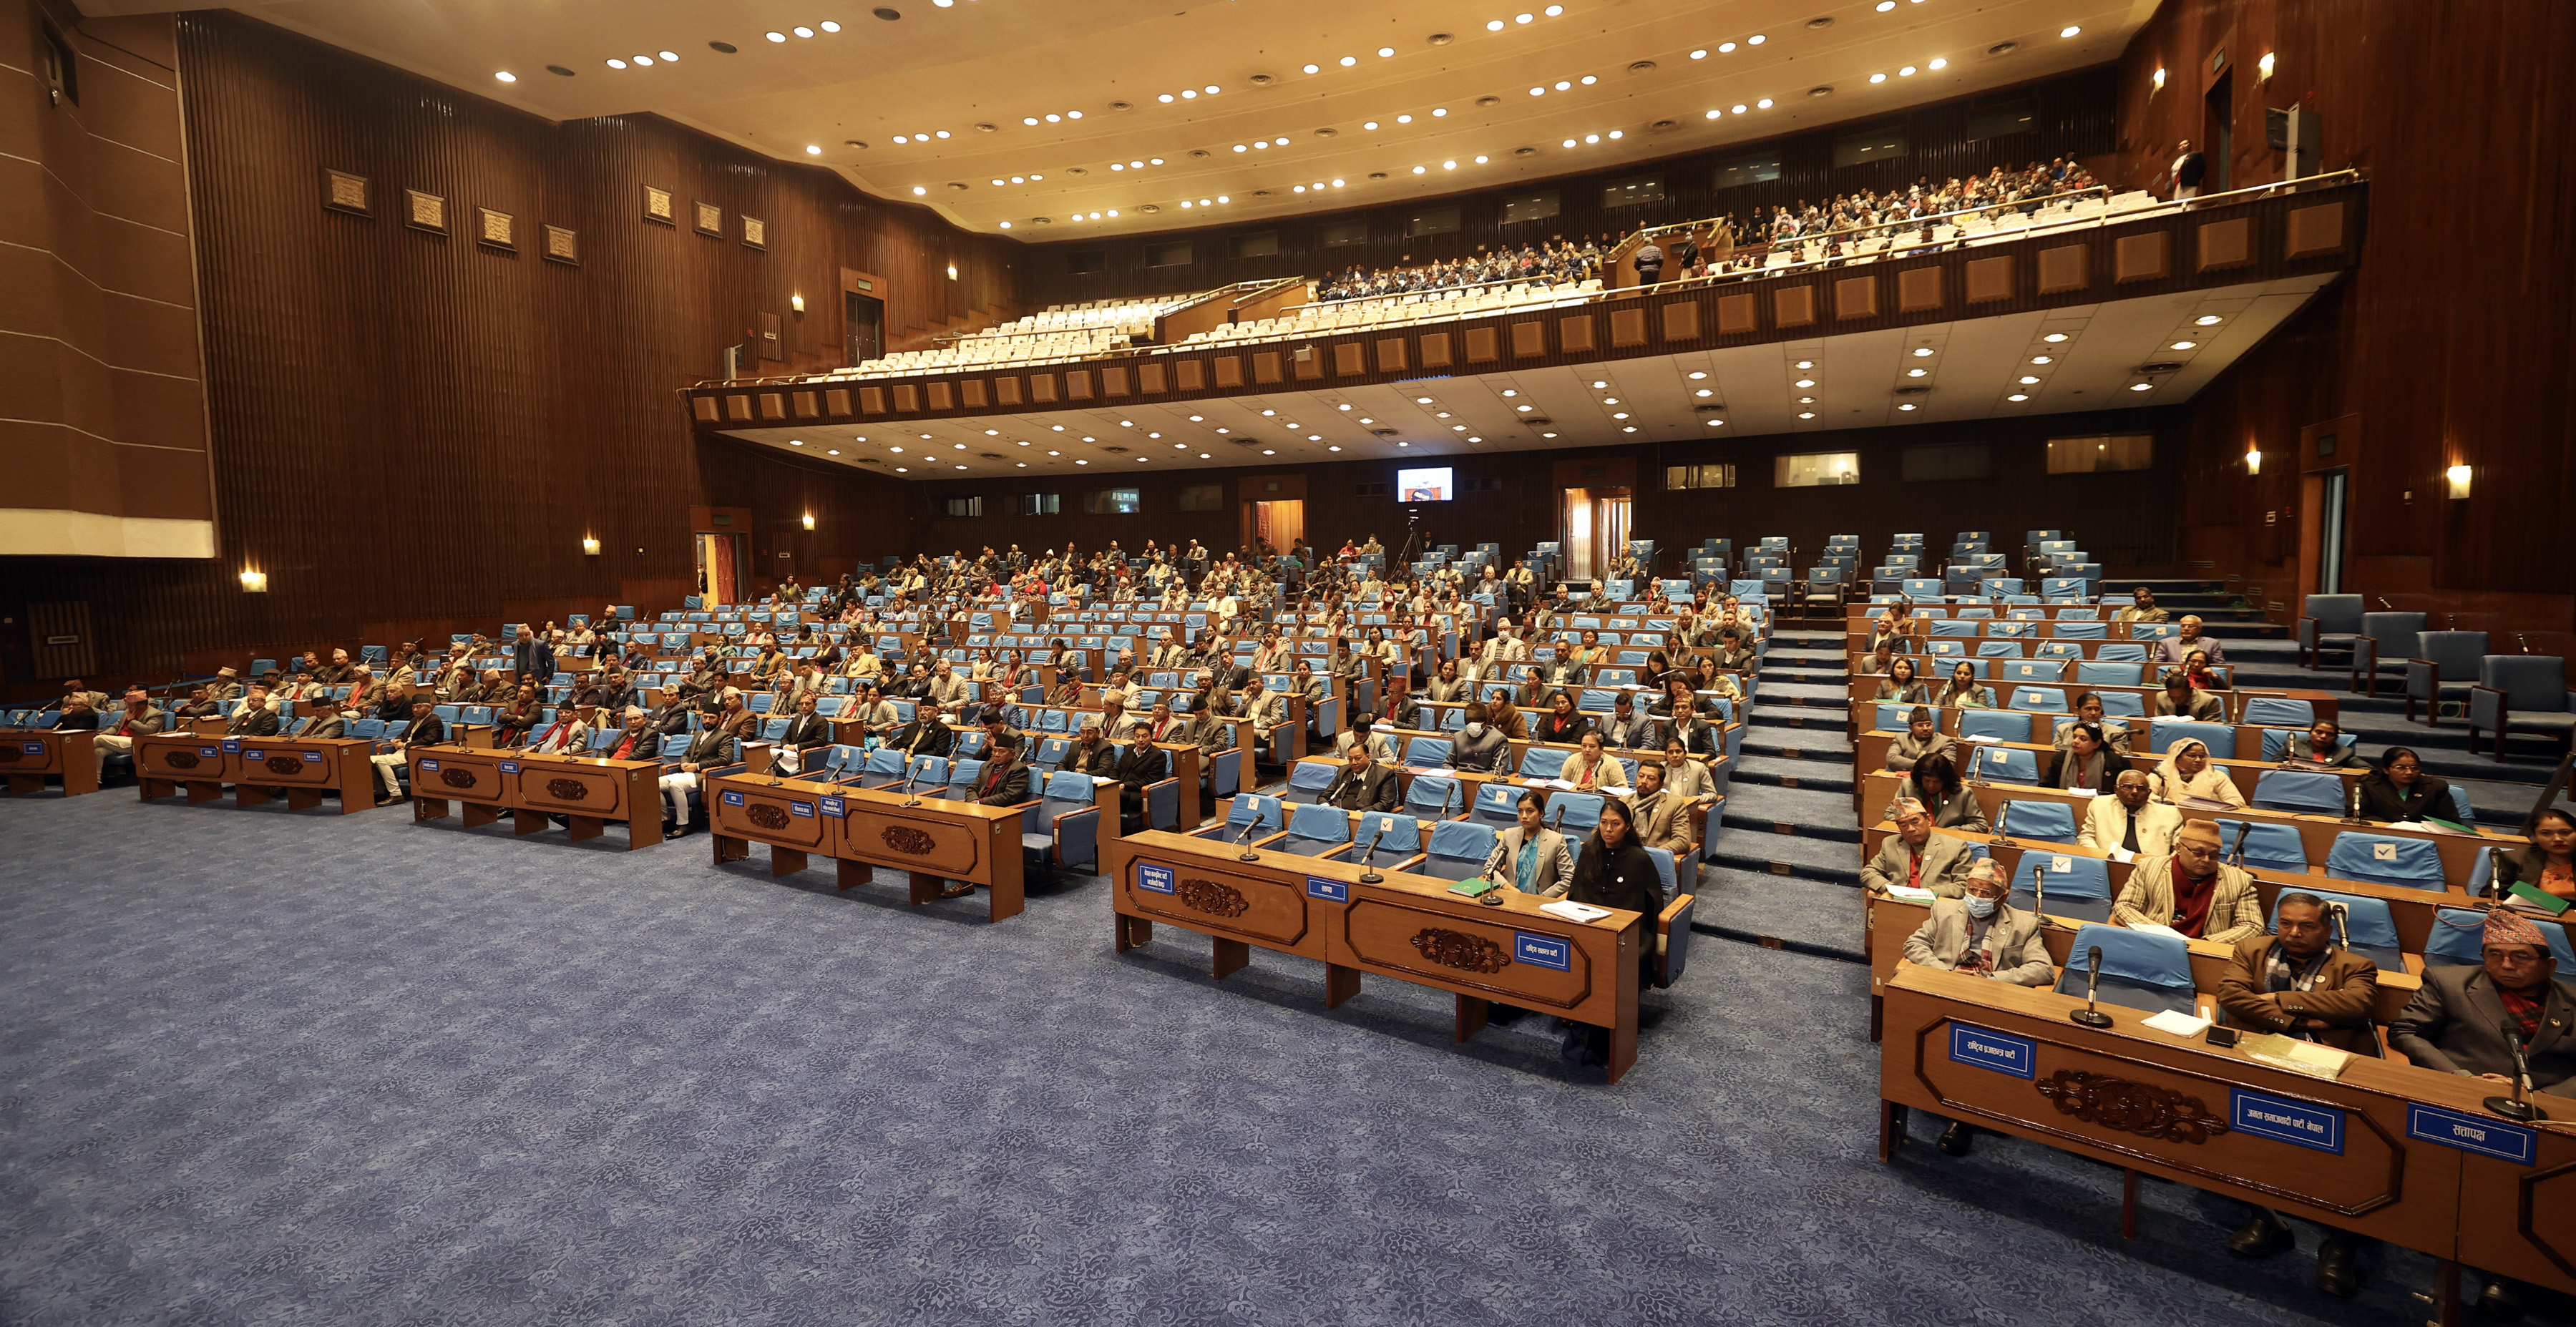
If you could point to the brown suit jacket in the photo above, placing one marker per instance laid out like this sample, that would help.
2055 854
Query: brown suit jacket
2342 996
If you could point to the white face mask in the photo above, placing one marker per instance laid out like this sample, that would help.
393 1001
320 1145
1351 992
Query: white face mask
1980 907
1475 730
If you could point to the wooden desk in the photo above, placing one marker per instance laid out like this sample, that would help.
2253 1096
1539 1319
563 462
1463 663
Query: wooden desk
469 776
1408 927
303 768
166 764
2007 1058
935 841
29 756
587 791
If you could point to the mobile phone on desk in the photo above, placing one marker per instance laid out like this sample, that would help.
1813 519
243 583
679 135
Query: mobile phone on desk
2222 1036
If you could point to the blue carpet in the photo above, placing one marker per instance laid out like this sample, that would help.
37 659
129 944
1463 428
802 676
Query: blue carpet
274 1068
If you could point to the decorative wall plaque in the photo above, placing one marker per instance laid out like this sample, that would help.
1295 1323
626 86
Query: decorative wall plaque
424 211
181 760
2139 1108
755 233
457 778
563 246
657 206
344 192
1213 897
766 816
710 220
1457 949
907 840
498 229
284 764
567 790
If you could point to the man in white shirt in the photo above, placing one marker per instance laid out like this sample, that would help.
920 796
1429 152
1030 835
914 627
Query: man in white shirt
2128 820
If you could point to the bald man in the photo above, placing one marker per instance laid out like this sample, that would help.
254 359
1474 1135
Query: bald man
2192 891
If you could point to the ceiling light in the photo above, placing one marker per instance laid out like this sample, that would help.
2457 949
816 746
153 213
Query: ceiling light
831 451
1701 54
2142 387
804 32
1055 453
1569 142
2185 345
1588 80
1609 400
1022 465
1907 406
826 25
1314 69
917 190
1806 363
1268 452
1385 52
1366 420
2070 30
1349 60
795 442
617 64
1371 124
1404 119
1725 48
1419 169
1916 373
775 36
1332 449
2042 359
1940 64
1806 400
1755 40
2207 320
1806 414
896 450
1806 382
1878 78
812 150
1189 94
903 469
1618 414
1704 392
506 76
1906 72
2017 396
2054 337
1538 92
1922 352
1070 115
1714 114
1562 85
1765 103
1211 89
2028 381
1079 461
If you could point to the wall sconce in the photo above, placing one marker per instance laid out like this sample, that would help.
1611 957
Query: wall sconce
952 271
2253 461
589 546
2458 476
809 520
796 302
254 582
2264 66
2159 80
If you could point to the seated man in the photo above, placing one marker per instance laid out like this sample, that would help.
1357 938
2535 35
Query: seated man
1089 753
426 730
325 720
2451 1026
1978 933
1137 766
1266 711
1922 737
2297 984
1364 785
2176 648
1916 856
202 703
1628 730
2142 608
2192 891
1529 856
925 735
117 731
1480 748
805 732
256 717
2323 746
2130 820
713 747
1663 818
2180 698
2088 709
1381 745
79 714
567 735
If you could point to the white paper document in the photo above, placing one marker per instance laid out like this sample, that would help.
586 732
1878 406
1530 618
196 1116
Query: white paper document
2179 1024
1573 911
2150 928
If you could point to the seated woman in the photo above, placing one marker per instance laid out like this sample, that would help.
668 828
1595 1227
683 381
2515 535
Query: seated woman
1613 871
2399 789
1590 770
2188 772
1686 774
1964 691
1934 781
2548 862
1900 684
1447 685
1563 726
2196 670
2087 763
1680 702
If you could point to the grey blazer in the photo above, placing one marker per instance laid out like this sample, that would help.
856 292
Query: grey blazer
1555 873
1945 860
2011 935
2455 1025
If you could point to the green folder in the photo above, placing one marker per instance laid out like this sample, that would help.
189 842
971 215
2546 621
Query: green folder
1472 886
2542 900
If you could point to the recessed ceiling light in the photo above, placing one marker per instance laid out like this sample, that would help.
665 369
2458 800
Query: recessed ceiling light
1916 373
795 442
2142 387
1385 52
1755 40
2185 345
775 36
804 32
1940 64
1726 48
1055 453
1907 406
1314 69
1764 104
1344 406
2054 337
2070 30
1806 363
1079 461
2042 359
831 451
896 450
903 469
1706 392
1332 449
506 76
1349 60
1700 54
2017 396
2207 320
2029 381
617 64
1878 78
812 150
1923 352
1806 382
1806 414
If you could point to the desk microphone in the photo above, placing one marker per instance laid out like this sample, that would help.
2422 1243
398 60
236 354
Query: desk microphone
2352 801
911 771
2039 895
2236 854
1368 871
2515 1107
2088 1015
1249 828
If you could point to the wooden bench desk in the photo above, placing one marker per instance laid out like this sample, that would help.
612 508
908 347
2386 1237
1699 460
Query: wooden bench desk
1405 926
468 776
29 756
861 829
303 769
587 791
166 764
1869 752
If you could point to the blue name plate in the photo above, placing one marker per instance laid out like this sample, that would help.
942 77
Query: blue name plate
1546 951
212 751
429 766
1158 879
2286 1121
836 807
1989 1049
2473 1133
248 754
312 757
1331 891
33 748
805 809
732 798
232 744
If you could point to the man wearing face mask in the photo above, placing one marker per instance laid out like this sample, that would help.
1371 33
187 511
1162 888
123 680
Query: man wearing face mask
1980 935
1480 748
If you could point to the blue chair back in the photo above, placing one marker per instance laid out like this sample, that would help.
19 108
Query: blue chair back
1458 849
1498 804
1427 753
2299 790
1398 836
1435 796
2039 700
2279 712
1314 828
2370 928
2269 846
2005 765
2048 822
1542 762
1254 809
2385 859
2166 730
1307 780
2458 939
2076 885
2001 725
2139 970
1573 814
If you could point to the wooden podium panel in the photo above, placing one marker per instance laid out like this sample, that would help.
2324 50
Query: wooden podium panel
29 755
787 817
167 763
303 769
588 792
468 776
1199 885
934 841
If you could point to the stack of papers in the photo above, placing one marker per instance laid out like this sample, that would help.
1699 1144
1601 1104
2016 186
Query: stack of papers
1573 911
1909 892
2150 928
2178 1024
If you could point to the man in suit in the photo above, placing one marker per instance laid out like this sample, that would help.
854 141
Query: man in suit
2130 820
255 718
1089 753
1916 856
1381 745
1662 819
925 735
117 731
1116 724
226 686
1004 782
2322 744
1136 766
2191 891
200 704
1530 857
1364 785
1978 933
1628 730
805 732
335 672
711 748
2180 698
2455 1025
1265 710
426 730
1922 737
533 658
1506 647
325 720
949 691
1479 748
2142 608
2175 649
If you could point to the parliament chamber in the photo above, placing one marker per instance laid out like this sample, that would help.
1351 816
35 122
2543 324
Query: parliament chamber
1896 662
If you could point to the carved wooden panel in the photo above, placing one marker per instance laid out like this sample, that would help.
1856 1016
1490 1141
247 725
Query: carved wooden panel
933 846
1484 346
2142 257
1041 388
1229 370
705 408
872 400
802 403
773 405
1310 363
973 391
1150 378
738 407
1918 290
1793 306
1435 350
1346 359
1113 380
907 397
2315 230
942 396
1190 375
1681 320
1628 326
2063 268
1738 314
1529 339
836 401
1077 385
1856 297
1989 279
1265 366
1574 334
1390 355
1008 391
2228 243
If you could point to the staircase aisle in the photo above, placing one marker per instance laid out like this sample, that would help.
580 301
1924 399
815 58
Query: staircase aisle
1787 868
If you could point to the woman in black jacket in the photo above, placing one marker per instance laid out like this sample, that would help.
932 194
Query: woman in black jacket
1613 871
2399 789
1563 726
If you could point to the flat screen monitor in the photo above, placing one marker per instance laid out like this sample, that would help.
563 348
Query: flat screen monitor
1423 485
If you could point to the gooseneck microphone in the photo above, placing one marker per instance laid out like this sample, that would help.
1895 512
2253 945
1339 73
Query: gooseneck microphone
2039 895
911 770
2088 1015
1368 868
2236 854
1250 827
2516 1107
